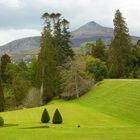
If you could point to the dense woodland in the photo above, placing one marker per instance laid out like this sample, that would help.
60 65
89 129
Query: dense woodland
59 72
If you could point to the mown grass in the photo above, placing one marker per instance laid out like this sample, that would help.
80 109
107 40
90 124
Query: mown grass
110 111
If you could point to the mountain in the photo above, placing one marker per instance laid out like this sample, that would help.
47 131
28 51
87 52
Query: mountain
88 32
23 48
21 45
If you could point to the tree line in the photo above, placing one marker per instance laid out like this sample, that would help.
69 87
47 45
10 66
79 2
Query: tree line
58 71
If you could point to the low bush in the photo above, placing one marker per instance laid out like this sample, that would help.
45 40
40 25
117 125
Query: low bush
57 118
45 116
1 121
97 69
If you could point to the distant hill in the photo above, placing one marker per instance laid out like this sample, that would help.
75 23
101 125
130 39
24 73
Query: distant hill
86 33
21 45
89 32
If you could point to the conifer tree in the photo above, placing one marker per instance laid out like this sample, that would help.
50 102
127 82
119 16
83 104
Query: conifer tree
55 50
47 67
5 59
1 98
119 51
45 116
61 38
48 75
98 50
57 118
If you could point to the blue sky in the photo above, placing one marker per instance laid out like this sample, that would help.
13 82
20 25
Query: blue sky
21 18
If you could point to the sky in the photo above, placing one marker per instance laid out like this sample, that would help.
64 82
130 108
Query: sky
21 18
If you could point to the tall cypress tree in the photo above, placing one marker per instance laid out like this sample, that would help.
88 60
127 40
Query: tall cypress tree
55 49
1 98
5 59
48 73
61 38
119 51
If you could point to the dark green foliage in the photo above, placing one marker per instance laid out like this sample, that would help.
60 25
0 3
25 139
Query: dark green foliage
120 49
47 70
55 49
5 59
32 68
62 41
57 118
1 121
45 116
135 67
98 50
58 27
97 69
19 83
1 98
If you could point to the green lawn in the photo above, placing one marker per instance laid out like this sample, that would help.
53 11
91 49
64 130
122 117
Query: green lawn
110 111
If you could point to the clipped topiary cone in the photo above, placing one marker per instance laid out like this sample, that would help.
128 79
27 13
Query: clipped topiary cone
45 116
57 118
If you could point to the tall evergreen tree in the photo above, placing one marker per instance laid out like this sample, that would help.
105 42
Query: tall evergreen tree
61 38
1 98
98 50
5 59
120 50
48 73
47 66
55 49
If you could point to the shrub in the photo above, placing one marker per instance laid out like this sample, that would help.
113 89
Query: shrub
57 118
1 121
45 116
97 69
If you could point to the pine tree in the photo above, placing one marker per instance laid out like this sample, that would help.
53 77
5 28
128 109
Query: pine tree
5 59
119 51
48 73
54 52
61 39
57 118
1 98
98 50
45 116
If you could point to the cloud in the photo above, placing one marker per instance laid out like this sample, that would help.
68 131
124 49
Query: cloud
25 14
11 3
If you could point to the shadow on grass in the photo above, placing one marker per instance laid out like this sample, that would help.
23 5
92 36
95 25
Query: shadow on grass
99 83
9 125
35 127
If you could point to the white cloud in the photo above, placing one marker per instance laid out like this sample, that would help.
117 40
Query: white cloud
22 14
11 3
10 35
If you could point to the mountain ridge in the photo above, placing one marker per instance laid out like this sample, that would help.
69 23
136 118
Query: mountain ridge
88 32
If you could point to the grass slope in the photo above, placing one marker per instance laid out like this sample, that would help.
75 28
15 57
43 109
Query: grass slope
118 98
108 112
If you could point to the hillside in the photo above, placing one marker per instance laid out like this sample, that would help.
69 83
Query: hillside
110 111
117 98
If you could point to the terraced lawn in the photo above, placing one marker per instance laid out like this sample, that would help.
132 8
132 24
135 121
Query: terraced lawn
110 111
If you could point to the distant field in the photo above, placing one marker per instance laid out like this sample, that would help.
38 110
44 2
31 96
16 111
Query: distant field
110 111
